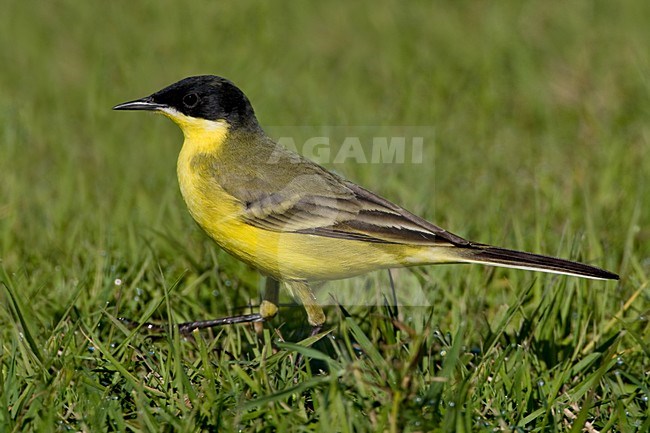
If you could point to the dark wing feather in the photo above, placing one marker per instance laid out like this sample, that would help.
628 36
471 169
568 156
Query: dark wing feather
283 192
306 198
346 211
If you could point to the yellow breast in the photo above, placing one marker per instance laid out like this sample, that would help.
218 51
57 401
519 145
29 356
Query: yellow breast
217 212
283 255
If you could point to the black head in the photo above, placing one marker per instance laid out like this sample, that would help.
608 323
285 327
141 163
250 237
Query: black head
205 97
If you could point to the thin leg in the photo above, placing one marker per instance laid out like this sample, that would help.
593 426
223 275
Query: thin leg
267 310
272 290
315 315
393 310
189 327
315 330
269 306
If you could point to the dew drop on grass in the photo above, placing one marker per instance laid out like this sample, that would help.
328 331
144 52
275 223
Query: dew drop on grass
418 400
91 349
118 282
644 398
619 361
138 291
452 404
443 352
215 293
540 383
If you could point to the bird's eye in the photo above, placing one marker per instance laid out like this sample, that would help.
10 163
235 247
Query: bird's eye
190 100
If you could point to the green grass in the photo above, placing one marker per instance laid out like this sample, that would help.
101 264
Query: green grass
536 119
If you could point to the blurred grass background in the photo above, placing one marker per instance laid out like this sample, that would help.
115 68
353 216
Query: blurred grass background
541 119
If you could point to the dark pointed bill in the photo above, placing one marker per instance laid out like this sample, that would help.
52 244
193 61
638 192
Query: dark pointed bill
146 104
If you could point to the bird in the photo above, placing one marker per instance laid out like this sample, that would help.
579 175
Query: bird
292 219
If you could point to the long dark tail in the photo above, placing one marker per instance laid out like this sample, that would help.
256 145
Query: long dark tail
494 256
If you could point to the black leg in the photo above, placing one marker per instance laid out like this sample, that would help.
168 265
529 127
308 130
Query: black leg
267 310
315 329
187 327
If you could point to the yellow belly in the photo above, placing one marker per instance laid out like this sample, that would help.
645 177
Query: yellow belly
282 255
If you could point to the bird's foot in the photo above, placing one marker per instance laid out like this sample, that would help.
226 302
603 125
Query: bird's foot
267 311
